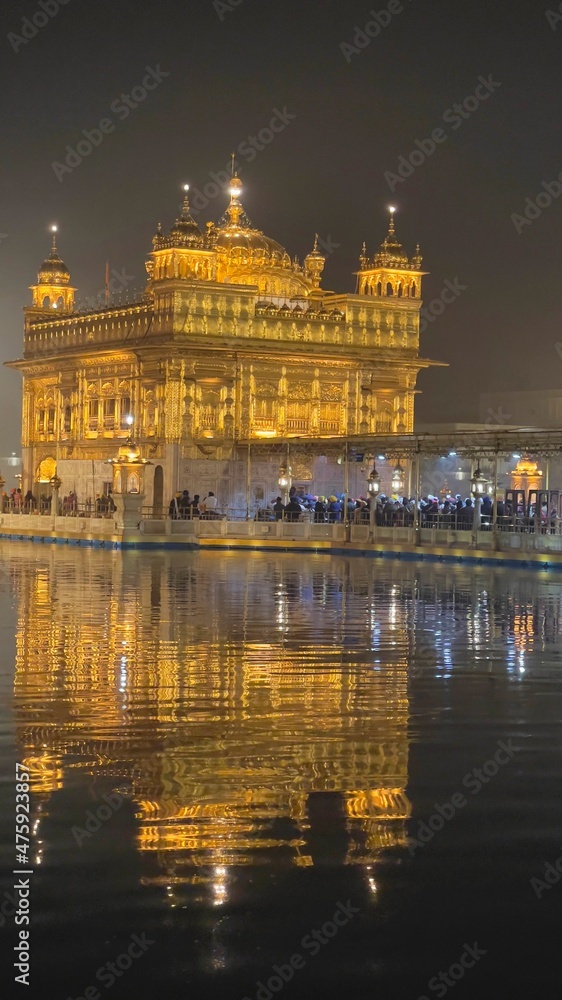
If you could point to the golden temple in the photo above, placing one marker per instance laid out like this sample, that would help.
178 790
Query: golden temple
232 344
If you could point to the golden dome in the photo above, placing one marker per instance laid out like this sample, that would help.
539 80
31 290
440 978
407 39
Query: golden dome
185 231
236 235
391 253
53 270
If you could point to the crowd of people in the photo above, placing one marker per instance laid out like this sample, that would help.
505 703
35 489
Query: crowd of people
185 508
16 502
451 512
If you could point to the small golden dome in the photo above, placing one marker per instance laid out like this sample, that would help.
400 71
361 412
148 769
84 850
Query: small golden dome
236 235
185 231
53 270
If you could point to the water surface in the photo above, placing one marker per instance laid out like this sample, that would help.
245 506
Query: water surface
274 736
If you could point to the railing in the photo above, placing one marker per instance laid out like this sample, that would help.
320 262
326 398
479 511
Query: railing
98 508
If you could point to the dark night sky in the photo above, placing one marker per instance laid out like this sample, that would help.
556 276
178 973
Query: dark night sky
324 172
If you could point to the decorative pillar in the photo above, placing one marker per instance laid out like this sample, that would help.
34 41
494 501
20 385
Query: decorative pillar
56 483
128 485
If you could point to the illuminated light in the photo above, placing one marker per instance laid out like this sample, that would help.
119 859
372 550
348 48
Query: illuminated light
516 455
452 454
398 479
381 458
265 434
129 419
391 209
54 229
374 482
186 187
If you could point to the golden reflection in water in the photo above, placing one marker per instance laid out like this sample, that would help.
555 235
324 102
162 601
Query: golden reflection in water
225 689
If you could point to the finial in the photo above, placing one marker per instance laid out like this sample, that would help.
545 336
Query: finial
159 229
364 249
391 229
235 210
233 160
315 247
54 230
185 206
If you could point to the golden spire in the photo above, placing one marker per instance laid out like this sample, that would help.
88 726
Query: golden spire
235 210
185 206
314 264
185 230
53 267
391 253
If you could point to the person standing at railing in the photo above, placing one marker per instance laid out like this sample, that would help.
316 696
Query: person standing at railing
29 502
209 505
184 504
278 509
335 508
320 511
174 508
194 507
293 510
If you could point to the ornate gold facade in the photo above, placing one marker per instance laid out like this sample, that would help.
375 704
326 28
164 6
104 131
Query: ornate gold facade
232 342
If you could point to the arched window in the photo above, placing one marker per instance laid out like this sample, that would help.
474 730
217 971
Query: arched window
389 289
379 288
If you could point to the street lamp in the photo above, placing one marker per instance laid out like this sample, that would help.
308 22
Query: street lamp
285 479
398 479
56 483
373 486
478 485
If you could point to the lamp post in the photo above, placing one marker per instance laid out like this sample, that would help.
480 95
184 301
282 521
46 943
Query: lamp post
478 486
128 485
56 483
284 481
373 486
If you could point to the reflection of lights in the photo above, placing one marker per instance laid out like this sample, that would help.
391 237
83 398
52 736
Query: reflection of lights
372 884
219 886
